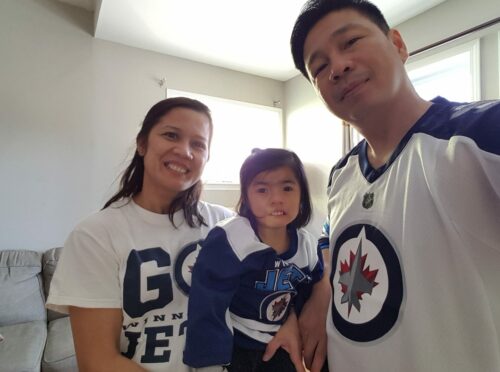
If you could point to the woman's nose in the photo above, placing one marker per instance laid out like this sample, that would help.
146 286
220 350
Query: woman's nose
184 149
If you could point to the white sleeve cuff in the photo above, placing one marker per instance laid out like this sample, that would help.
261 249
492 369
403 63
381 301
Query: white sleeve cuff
210 369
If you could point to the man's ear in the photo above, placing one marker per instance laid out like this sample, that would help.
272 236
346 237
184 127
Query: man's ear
398 42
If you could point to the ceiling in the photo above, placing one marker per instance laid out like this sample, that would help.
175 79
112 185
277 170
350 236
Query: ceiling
247 36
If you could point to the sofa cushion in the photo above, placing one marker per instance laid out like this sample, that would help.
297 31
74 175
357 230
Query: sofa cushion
22 346
59 352
49 263
21 292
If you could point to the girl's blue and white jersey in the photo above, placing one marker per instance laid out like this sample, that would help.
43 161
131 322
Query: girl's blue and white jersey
242 290
415 248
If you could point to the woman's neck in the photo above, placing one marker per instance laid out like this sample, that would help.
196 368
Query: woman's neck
153 203
278 238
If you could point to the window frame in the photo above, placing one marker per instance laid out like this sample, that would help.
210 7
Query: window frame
450 50
228 185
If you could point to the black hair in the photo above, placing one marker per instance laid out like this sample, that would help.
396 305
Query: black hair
132 177
314 10
269 159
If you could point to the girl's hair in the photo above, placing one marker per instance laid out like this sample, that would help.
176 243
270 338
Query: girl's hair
133 175
269 159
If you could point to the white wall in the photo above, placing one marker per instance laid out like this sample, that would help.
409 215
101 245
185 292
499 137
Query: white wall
70 107
316 136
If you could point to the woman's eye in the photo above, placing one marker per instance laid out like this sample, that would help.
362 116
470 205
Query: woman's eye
200 145
171 135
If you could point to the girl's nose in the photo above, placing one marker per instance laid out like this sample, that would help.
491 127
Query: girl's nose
276 196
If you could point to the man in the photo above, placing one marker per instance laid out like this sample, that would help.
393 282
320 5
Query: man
413 210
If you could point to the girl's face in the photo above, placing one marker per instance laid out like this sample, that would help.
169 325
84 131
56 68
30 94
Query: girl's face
274 198
175 153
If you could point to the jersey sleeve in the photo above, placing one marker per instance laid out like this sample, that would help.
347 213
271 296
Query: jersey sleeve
87 274
324 239
215 279
468 176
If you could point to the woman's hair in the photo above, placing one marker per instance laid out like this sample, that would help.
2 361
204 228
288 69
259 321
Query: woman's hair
133 175
266 160
313 11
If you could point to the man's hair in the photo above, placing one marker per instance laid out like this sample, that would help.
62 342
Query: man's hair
314 10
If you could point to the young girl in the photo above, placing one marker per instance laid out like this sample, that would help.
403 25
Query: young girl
251 268
124 274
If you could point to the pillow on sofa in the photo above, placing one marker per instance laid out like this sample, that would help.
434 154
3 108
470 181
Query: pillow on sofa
20 287
22 348
49 263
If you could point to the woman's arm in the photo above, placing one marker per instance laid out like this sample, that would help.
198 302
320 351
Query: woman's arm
96 334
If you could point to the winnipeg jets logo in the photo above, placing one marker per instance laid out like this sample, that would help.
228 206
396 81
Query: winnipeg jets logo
274 307
367 283
184 265
278 307
355 279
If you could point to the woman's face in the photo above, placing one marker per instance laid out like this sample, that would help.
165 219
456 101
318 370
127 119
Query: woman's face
175 152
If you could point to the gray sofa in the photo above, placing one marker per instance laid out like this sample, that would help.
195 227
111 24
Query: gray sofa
34 338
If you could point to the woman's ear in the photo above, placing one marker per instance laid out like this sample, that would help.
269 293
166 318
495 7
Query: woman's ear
398 42
141 146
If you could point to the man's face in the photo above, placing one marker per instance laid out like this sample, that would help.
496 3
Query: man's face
353 65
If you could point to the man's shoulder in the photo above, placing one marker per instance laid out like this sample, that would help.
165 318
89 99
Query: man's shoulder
478 121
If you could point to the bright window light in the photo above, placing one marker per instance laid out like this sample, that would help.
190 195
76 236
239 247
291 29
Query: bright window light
238 128
452 73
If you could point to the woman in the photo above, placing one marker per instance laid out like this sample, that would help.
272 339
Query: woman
125 272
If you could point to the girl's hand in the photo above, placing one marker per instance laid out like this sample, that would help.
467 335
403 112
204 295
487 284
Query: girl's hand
288 338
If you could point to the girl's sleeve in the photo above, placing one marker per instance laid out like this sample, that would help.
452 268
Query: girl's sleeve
215 279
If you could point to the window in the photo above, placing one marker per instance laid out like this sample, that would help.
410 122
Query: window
238 128
452 73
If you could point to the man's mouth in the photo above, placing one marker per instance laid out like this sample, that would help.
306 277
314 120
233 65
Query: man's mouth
351 87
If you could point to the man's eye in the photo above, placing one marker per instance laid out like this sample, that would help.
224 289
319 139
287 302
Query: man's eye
318 70
352 41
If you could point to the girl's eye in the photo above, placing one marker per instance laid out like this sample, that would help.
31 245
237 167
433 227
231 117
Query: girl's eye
261 190
288 188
